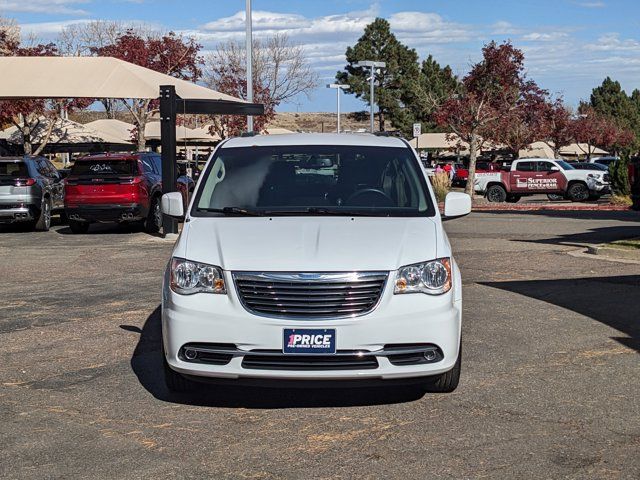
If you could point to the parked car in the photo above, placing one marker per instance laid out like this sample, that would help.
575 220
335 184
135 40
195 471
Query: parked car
590 166
31 190
462 173
529 176
313 257
606 161
123 188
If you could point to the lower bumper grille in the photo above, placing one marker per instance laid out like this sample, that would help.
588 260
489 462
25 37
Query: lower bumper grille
273 361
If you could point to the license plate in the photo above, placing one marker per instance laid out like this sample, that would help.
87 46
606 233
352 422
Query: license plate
309 341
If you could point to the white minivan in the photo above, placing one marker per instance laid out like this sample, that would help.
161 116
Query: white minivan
313 257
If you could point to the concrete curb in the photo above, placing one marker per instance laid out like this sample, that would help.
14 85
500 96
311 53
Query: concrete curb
612 252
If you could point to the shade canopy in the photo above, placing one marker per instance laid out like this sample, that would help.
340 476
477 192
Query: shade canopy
537 150
439 141
113 127
64 132
122 130
91 77
579 149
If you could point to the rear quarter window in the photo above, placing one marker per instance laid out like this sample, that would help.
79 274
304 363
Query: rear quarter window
105 167
14 169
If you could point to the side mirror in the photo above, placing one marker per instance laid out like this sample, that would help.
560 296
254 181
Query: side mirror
456 204
554 169
171 204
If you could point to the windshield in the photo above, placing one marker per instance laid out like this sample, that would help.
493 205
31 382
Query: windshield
104 166
564 165
318 180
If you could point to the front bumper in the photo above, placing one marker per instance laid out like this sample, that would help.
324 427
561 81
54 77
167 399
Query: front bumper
408 319
106 212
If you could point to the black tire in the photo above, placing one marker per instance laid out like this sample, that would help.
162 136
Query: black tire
174 381
63 217
153 222
555 197
594 197
578 192
78 227
513 198
496 193
446 382
43 223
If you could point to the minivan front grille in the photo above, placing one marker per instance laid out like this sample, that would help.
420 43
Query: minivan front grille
310 295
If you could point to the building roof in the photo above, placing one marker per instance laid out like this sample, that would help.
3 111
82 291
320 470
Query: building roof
91 77
537 150
578 149
348 139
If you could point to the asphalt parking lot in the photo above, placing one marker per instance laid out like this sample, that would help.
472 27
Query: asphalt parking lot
550 383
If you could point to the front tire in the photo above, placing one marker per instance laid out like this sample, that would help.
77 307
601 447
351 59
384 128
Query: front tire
446 382
496 193
175 382
578 192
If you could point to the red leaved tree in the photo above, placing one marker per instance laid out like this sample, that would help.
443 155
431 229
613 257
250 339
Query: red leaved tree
170 54
34 118
489 91
596 130
557 127
523 124
231 80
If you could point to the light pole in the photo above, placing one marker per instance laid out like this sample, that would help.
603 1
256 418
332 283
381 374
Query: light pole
337 87
373 65
249 47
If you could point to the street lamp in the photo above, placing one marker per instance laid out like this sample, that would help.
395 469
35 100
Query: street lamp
249 47
373 65
337 88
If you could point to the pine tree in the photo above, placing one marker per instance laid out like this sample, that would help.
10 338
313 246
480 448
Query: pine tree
397 84
436 85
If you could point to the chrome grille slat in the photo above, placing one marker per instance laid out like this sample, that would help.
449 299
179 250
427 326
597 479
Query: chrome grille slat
310 296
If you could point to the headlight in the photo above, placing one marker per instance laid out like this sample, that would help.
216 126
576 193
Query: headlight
189 277
432 277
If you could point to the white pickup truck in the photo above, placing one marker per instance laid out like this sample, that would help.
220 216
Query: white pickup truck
529 176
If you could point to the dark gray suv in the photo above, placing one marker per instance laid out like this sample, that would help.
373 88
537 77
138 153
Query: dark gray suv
31 188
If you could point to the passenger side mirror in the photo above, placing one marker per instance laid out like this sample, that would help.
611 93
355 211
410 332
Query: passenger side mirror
456 204
171 204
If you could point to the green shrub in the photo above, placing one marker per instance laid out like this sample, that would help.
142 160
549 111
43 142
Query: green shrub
619 173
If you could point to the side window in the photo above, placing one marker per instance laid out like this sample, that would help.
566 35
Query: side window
43 168
524 167
544 166
147 165
157 163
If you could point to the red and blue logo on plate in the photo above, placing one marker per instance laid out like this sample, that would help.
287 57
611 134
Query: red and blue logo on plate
309 341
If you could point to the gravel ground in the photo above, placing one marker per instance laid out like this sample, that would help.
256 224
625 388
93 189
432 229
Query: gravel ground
550 384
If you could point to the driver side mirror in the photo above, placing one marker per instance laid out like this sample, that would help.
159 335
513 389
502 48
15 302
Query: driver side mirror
171 204
554 169
456 204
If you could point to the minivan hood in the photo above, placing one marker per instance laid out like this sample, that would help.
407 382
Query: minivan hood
308 244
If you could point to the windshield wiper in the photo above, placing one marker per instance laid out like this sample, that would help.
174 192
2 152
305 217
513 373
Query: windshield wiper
320 211
232 211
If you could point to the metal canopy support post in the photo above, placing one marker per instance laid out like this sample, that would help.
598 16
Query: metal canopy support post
168 139
170 105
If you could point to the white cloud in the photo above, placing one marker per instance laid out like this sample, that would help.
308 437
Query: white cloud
544 37
48 29
595 4
504 28
611 42
66 7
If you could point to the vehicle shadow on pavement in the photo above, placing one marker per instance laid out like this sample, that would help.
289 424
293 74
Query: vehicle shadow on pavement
105 229
591 237
613 301
147 364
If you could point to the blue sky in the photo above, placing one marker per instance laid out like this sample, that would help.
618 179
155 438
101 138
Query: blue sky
569 45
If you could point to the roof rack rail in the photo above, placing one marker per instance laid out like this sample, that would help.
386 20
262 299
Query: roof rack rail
248 134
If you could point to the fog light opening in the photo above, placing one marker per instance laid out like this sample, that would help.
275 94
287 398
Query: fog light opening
430 355
190 354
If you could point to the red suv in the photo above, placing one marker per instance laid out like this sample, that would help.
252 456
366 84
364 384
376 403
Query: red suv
123 188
